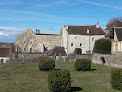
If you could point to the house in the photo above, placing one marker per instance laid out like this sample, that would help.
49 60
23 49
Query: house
83 37
30 42
4 55
57 52
117 42
5 45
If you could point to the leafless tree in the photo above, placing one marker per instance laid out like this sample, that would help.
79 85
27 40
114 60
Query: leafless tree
114 22
26 41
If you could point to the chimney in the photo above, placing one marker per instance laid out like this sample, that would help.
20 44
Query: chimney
38 31
66 26
97 25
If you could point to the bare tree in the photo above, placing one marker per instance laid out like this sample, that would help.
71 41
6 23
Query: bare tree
114 22
26 41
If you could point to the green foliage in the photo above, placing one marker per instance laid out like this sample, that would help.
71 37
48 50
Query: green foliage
46 64
78 51
102 46
83 65
116 79
59 80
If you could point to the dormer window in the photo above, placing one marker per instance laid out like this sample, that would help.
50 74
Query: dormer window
88 31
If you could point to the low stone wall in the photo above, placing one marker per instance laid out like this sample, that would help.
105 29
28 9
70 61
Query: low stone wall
108 60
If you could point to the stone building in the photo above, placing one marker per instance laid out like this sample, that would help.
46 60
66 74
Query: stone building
70 37
117 42
31 42
83 37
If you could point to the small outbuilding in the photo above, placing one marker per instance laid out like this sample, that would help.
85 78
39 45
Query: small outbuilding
4 55
57 52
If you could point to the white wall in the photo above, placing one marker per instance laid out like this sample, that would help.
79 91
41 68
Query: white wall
86 41
64 38
5 59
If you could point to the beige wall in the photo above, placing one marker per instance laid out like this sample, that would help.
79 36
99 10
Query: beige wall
49 41
30 40
116 45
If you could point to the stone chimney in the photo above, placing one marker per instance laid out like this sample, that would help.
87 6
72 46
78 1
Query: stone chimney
97 25
38 31
66 26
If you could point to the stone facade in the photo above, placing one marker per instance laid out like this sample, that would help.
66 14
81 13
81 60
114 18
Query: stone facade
85 41
36 42
114 60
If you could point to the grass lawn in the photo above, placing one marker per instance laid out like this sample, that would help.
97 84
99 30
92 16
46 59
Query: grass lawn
28 78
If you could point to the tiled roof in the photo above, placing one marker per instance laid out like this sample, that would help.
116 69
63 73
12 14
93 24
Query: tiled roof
46 34
57 51
82 30
119 33
6 45
4 52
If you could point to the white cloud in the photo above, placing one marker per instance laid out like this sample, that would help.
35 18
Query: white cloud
3 34
98 4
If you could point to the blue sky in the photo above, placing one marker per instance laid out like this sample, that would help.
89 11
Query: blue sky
50 15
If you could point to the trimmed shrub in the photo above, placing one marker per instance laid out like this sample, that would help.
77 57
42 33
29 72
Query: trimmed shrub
102 46
59 80
46 64
78 51
116 79
83 65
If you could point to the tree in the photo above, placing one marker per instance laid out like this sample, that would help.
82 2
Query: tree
26 42
114 22
102 46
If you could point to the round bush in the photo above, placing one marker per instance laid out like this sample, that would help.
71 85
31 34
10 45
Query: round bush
59 80
83 65
46 64
116 79
102 46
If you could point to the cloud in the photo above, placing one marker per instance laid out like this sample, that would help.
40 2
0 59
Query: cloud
10 32
3 34
98 4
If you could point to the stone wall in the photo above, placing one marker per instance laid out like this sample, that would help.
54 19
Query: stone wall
114 60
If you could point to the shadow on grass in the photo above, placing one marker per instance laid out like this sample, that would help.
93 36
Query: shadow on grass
92 70
73 89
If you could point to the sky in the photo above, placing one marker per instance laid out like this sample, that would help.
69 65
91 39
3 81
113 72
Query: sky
49 16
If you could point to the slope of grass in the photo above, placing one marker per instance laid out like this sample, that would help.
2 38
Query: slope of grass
28 78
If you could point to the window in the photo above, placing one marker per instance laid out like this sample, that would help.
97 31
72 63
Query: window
25 49
24 42
80 44
71 44
30 42
92 38
30 49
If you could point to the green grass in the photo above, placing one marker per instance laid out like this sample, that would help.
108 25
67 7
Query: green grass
28 78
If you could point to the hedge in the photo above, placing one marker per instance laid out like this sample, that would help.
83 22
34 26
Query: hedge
102 46
78 51
46 64
83 65
59 80
116 79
